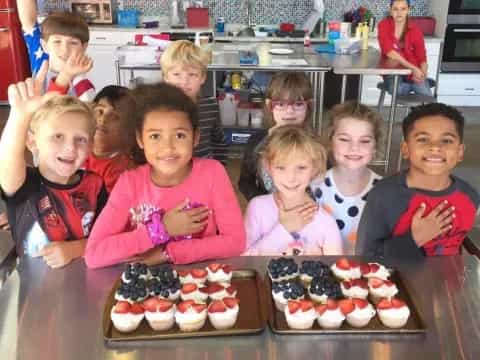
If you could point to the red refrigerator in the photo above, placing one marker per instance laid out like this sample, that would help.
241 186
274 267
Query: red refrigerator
14 62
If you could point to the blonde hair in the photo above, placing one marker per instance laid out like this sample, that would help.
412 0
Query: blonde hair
65 23
285 141
184 52
357 111
60 105
288 86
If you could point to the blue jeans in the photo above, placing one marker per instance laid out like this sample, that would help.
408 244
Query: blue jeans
406 87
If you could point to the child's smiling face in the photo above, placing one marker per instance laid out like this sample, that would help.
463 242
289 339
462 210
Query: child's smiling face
168 140
111 132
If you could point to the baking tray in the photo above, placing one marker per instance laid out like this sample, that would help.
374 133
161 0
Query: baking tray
414 326
251 317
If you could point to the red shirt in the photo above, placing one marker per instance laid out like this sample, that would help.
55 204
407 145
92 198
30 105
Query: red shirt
108 168
413 49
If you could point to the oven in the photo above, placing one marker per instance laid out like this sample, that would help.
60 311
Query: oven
461 51
464 12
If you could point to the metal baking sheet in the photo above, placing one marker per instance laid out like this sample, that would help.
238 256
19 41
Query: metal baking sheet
251 317
414 326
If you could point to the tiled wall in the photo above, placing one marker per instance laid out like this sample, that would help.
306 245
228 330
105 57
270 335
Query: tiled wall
265 11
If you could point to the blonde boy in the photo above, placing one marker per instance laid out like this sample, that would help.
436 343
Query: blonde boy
185 66
50 207
62 39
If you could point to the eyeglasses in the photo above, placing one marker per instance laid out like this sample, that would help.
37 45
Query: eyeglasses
298 105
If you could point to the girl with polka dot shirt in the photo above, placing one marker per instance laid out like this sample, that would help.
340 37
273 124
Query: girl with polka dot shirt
353 134
288 221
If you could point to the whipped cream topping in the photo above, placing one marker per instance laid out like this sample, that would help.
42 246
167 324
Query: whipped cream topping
332 315
354 292
219 275
400 313
160 315
384 291
190 316
301 315
367 312
190 279
196 295
125 321
382 272
352 273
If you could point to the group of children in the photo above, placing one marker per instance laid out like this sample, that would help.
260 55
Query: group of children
88 196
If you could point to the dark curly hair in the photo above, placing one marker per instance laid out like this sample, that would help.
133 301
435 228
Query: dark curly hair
434 109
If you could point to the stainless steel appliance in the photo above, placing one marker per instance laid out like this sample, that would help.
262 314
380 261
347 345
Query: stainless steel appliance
94 11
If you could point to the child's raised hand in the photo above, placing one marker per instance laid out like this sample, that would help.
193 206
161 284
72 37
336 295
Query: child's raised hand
438 222
26 97
76 64
178 221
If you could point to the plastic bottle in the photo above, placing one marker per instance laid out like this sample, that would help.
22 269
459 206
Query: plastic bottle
365 36
306 40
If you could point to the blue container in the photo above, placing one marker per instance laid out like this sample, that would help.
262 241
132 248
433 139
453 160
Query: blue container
220 27
128 18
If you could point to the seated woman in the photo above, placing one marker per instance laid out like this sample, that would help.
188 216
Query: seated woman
402 41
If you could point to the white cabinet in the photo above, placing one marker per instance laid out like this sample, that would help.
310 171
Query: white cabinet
370 93
459 89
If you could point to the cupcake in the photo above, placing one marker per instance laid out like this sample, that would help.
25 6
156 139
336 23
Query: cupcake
219 273
164 288
218 291
345 269
300 314
357 288
358 312
282 269
322 288
223 314
374 269
197 276
379 289
133 291
126 317
284 291
163 272
159 313
393 312
190 316
311 269
329 315
192 291
135 271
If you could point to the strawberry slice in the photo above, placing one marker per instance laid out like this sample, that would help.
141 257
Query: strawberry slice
227 269
321 308
293 306
122 307
189 288
215 287
199 273
332 304
375 282
183 273
397 303
365 269
217 306
388 283
343 263
354 264
374 267
164 305
384 304
185 305
137 309
361 283
199 307
306 305
347 284
203 289
346 306
231 302
360 303
214 267
150 304
231 290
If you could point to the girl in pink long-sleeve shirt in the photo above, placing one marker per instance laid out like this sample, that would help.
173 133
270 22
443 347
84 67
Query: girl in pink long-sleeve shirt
288 222
174 208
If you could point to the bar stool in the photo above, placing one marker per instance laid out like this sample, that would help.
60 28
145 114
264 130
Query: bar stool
408 101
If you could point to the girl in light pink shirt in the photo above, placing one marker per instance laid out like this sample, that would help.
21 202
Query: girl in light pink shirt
175 208
288 222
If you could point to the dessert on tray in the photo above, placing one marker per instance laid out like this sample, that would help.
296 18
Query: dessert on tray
284 290
282 269
300 314
164 288
133 291
393 312
346 269
379 289
357 288
358 312
219 272
329 315
198 276
159 313
218 291
126 317
373 269
190 315
322 288
223 314
311 269
135 271
192 291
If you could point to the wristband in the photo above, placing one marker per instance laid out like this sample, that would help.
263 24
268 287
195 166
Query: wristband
54 87
156 230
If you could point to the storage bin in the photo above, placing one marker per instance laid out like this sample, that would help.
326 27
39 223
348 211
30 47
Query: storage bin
128 18
138 55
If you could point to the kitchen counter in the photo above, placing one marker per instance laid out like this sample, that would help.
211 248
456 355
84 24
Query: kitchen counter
57 315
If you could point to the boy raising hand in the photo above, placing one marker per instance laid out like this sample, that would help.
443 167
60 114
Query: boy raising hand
51 207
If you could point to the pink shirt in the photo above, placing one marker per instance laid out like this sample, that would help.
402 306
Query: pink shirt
111 240
266 236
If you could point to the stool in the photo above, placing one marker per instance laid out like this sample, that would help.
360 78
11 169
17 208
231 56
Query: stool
408 101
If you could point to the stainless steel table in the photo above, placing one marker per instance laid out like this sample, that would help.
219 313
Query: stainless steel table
226 57
57 315
370 62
